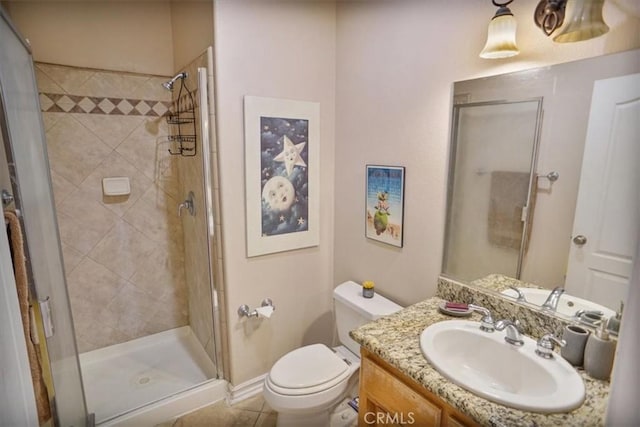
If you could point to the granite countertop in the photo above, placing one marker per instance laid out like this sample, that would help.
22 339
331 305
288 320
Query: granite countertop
499 282
395 339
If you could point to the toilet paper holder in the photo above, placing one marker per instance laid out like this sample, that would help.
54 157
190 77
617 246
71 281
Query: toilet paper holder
245 311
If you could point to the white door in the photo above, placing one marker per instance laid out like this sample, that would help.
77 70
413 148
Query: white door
607 219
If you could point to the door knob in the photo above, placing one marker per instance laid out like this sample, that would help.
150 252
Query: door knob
580 240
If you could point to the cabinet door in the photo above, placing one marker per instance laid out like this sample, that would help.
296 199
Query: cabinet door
454 422
388 397
386 400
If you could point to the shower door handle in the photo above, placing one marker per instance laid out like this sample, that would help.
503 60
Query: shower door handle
7 198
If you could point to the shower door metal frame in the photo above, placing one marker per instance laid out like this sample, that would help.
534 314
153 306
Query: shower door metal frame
532 172
207 170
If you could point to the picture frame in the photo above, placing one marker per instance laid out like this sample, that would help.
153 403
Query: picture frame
282 173
384 212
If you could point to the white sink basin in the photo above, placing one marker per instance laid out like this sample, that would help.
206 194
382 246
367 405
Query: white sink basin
486 365
567 304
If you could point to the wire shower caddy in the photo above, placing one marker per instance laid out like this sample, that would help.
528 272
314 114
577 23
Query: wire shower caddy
183 133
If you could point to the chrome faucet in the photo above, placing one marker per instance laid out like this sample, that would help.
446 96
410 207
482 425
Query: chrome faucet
552 300
589 315
486 324
512 336
520 297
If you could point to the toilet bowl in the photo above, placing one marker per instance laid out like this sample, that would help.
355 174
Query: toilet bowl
306 384
310 381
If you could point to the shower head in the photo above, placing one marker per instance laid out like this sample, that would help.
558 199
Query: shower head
169 85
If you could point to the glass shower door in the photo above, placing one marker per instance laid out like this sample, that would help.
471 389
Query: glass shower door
491 187
26 153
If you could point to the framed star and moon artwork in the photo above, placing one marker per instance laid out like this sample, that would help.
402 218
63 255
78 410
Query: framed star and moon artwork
282 172
385 204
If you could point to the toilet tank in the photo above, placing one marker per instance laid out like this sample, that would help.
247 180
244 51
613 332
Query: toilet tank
353 310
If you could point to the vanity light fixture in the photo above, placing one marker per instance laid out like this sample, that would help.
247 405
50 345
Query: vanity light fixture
501 35
586 21
549 15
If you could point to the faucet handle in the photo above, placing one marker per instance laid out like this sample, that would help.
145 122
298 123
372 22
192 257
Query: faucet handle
188 204
486 324
546 344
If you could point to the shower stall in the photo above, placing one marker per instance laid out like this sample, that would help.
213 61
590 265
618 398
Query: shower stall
127 276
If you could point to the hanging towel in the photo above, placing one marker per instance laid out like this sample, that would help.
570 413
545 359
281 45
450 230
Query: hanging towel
508 195
14 231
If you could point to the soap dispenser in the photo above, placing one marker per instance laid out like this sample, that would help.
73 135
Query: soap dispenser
614 321
599 353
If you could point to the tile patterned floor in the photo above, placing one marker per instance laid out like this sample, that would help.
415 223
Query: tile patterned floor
253 412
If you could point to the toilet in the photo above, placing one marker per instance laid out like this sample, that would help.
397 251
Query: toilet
306 384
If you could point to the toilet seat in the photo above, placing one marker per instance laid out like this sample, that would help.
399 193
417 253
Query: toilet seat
307 370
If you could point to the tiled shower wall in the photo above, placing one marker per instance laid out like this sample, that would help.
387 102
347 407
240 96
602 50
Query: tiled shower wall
124 256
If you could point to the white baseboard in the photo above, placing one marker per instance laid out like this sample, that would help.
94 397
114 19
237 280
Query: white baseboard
245 390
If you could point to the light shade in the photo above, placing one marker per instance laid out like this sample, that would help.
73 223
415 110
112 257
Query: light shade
501 38
586 22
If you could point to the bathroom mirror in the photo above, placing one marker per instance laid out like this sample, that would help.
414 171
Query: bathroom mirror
499 112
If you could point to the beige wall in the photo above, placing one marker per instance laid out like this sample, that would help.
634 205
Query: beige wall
396 62
191 29
281 50
131 36
393 87
155 37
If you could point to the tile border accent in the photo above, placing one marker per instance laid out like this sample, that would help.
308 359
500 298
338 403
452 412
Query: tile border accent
65 103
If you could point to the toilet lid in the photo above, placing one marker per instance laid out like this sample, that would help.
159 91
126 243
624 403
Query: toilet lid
306 367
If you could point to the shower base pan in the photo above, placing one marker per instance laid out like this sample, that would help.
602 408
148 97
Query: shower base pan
149 380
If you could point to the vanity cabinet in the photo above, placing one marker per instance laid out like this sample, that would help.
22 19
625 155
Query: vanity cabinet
389 397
